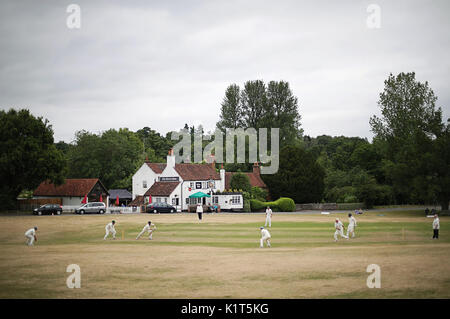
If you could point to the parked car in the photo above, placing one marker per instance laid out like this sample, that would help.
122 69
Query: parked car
91 208
160 208
48 209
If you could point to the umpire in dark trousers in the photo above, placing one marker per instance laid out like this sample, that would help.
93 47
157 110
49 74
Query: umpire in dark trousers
436 227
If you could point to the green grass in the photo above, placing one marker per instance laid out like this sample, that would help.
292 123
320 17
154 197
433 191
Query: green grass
220 257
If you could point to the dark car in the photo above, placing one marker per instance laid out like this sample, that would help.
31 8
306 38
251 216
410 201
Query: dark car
91 208
160 208
48 209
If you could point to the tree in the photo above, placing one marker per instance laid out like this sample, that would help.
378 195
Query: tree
28 155
254 101
282 111
231 111
410 127
240 181
114 156
299 176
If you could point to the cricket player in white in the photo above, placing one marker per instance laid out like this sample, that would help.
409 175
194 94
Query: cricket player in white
268 217
147 228
339 229
265 236
110 229
30 234
436 227
351 225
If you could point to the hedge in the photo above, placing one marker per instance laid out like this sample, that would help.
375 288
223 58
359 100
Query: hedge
282 204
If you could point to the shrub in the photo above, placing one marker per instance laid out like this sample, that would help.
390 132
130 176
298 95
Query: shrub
240 181
258 193
283 204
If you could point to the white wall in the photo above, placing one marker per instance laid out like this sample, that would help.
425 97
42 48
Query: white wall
144 173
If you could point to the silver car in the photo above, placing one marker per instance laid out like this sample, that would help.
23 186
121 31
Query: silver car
91 208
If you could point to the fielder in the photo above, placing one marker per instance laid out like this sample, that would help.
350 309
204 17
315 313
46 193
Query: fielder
110 229
30 234
351 225
339 229
147 228
265 236
268 217
436 227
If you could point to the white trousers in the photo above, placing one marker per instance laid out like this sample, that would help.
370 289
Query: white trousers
113 232
268 220
267 239
150 233
351 230
30 240
339 232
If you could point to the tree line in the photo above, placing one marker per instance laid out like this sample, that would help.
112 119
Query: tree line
407 162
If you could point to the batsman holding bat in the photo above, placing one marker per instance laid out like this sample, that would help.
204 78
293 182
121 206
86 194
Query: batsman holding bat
147 228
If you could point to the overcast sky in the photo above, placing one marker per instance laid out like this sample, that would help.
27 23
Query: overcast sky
166 63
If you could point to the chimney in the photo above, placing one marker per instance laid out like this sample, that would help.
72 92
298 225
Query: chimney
212 160
171 158
256 168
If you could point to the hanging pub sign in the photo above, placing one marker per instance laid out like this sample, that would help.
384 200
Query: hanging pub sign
169 179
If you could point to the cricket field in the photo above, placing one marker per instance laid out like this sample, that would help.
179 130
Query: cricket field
220 257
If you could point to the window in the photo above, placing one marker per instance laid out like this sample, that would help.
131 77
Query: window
215 199
144 184
158 200
175 201
187 201
235 199
191 184
165 199
198 185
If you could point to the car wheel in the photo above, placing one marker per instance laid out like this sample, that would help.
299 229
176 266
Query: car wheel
39 213
58 212
171 210
101 211
155 211
81 212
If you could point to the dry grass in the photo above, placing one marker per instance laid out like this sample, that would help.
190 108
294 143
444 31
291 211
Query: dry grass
220 258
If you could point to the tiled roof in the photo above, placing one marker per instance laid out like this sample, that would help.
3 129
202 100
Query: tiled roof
196 172
255 179
161 188
139 200
122 193
156 167
71 187
189 171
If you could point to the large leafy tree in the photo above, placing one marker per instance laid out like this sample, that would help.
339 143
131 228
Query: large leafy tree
231 109
113 156
282 111
254 101
28 155
299 176
410 126
156 145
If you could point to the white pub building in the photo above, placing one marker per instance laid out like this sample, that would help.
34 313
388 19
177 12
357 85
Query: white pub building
173 183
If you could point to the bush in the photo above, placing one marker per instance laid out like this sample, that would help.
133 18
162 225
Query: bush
240 181
283 204
258 193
